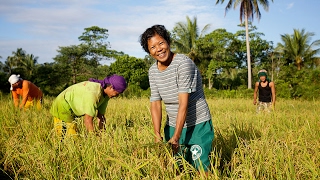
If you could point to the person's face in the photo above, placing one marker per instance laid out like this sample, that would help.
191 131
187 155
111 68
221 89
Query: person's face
17 85
262 78
159 48
111 92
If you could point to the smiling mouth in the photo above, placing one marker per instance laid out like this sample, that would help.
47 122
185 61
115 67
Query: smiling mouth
162 54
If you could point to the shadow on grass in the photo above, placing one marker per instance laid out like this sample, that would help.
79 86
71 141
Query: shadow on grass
4 175
226 142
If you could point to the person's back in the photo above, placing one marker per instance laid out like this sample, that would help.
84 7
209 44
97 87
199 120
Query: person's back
27 90
81 98
88 99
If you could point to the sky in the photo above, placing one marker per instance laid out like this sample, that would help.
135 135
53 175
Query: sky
40 27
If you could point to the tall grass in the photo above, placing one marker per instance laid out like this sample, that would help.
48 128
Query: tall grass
284 144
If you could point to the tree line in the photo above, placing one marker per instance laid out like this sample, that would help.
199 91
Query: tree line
220 56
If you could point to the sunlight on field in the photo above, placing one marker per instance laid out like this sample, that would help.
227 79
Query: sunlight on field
281 145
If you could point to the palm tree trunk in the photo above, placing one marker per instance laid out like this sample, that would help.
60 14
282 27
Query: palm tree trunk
248 54
272 68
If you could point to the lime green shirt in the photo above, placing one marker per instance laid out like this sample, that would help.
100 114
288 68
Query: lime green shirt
80 99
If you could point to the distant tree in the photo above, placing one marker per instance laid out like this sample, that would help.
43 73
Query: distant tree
185 35
218 52
260 49
298 48
14 63
51 78
9 65
4 84
247 10
149 60
29 64
134 70
95 38
18 56
73 58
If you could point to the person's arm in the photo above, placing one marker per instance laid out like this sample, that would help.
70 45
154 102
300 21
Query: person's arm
101 121
255 93
273 91
181 118
15 98
156 115
25 93
88 123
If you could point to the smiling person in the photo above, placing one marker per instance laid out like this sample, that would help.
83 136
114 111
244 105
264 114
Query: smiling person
88 99
176 80
29 92
267 93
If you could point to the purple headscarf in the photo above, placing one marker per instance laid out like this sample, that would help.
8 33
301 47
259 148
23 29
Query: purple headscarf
118 82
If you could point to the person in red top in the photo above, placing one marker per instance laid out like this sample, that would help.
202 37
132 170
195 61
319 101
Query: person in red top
29 92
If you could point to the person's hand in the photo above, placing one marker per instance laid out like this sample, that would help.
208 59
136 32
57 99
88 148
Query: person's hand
254 102
102 124
158 139
174 144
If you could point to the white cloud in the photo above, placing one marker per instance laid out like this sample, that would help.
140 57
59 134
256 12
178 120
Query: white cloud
289 6
47 24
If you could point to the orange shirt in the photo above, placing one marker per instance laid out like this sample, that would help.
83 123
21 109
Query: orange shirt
29 91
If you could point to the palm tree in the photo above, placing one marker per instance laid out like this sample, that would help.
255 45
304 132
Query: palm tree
185 35
19 56
298 49
29 64
247 9
9 64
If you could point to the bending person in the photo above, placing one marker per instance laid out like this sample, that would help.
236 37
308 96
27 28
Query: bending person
29 92
88 99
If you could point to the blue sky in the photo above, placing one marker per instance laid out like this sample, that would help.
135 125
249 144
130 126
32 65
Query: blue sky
40 26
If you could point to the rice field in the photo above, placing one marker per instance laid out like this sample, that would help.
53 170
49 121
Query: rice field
284 144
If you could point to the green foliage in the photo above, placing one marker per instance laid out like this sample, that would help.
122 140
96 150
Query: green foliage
135 91
21 63
218 49
48 78
298 49
134 70
184 37
219 55
98 48
240 93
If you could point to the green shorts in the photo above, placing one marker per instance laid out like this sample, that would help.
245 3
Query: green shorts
195 143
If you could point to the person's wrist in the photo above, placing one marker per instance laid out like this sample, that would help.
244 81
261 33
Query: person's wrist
175 139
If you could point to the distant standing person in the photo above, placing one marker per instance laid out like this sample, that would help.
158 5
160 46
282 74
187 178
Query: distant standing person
176 80
88 99
267 93
29 92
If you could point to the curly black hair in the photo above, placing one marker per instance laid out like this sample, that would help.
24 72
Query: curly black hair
152 31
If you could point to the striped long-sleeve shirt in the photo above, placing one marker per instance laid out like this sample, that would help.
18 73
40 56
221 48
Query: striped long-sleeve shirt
181 76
